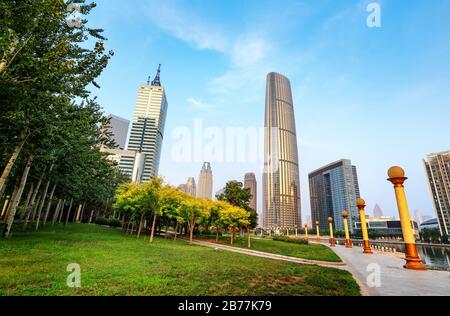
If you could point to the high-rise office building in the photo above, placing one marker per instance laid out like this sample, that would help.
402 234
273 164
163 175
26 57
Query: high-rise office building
190 187
147 132
333 189
205 182
250 183
437 167
118 129
281 178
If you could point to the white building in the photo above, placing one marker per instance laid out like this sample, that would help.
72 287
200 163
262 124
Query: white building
205 182
147 132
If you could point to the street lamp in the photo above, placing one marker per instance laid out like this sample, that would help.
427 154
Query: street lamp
348 243
362 214
332 242
397 177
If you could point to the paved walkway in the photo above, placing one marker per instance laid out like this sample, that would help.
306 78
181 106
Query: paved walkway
395 280
269 255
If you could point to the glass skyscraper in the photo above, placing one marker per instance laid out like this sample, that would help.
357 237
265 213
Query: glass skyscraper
281 180
147 132
333 189
437 167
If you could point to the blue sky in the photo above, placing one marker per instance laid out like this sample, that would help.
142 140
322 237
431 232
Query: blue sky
377 96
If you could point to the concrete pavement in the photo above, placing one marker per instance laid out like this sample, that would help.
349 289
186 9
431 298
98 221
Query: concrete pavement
393 279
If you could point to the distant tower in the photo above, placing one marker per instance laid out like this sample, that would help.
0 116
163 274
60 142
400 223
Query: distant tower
377 212
418 217
205 182
281 178
250 183
191 187
147 132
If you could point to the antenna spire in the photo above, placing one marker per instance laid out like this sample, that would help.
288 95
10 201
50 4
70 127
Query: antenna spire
157 80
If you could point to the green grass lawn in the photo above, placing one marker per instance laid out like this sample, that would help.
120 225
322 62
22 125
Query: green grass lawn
311 251
114 264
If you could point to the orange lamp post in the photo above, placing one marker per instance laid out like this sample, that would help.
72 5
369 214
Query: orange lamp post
332 242
397 177
348 242
362 214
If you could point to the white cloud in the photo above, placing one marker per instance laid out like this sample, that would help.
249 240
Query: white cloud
198 104
189 29
248 51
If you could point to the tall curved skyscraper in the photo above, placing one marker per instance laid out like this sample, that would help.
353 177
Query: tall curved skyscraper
281 179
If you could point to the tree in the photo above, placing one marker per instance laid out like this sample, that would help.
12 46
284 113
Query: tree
233 217
194 210
44 64
238 196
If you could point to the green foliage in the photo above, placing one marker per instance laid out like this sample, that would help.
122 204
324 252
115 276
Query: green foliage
237 195
433 235
339 234
47 69
112 222
291 240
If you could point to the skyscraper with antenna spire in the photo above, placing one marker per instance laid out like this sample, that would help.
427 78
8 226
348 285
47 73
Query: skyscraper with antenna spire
147 132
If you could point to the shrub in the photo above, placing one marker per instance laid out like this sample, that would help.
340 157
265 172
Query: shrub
113 222
292 241
102 221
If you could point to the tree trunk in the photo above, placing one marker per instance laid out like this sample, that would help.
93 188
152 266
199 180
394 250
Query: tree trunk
7 207
217 234
249 239
61 213
82 212
27 202
152 234
140 227
49 205
191 230
16 201
31 210
44 197
12 161
35 207
68 212
56 212
90 217
176 231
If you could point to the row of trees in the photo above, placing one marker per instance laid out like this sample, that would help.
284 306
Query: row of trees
155 204
50 125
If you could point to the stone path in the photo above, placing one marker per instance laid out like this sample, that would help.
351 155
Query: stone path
269 255
394 279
